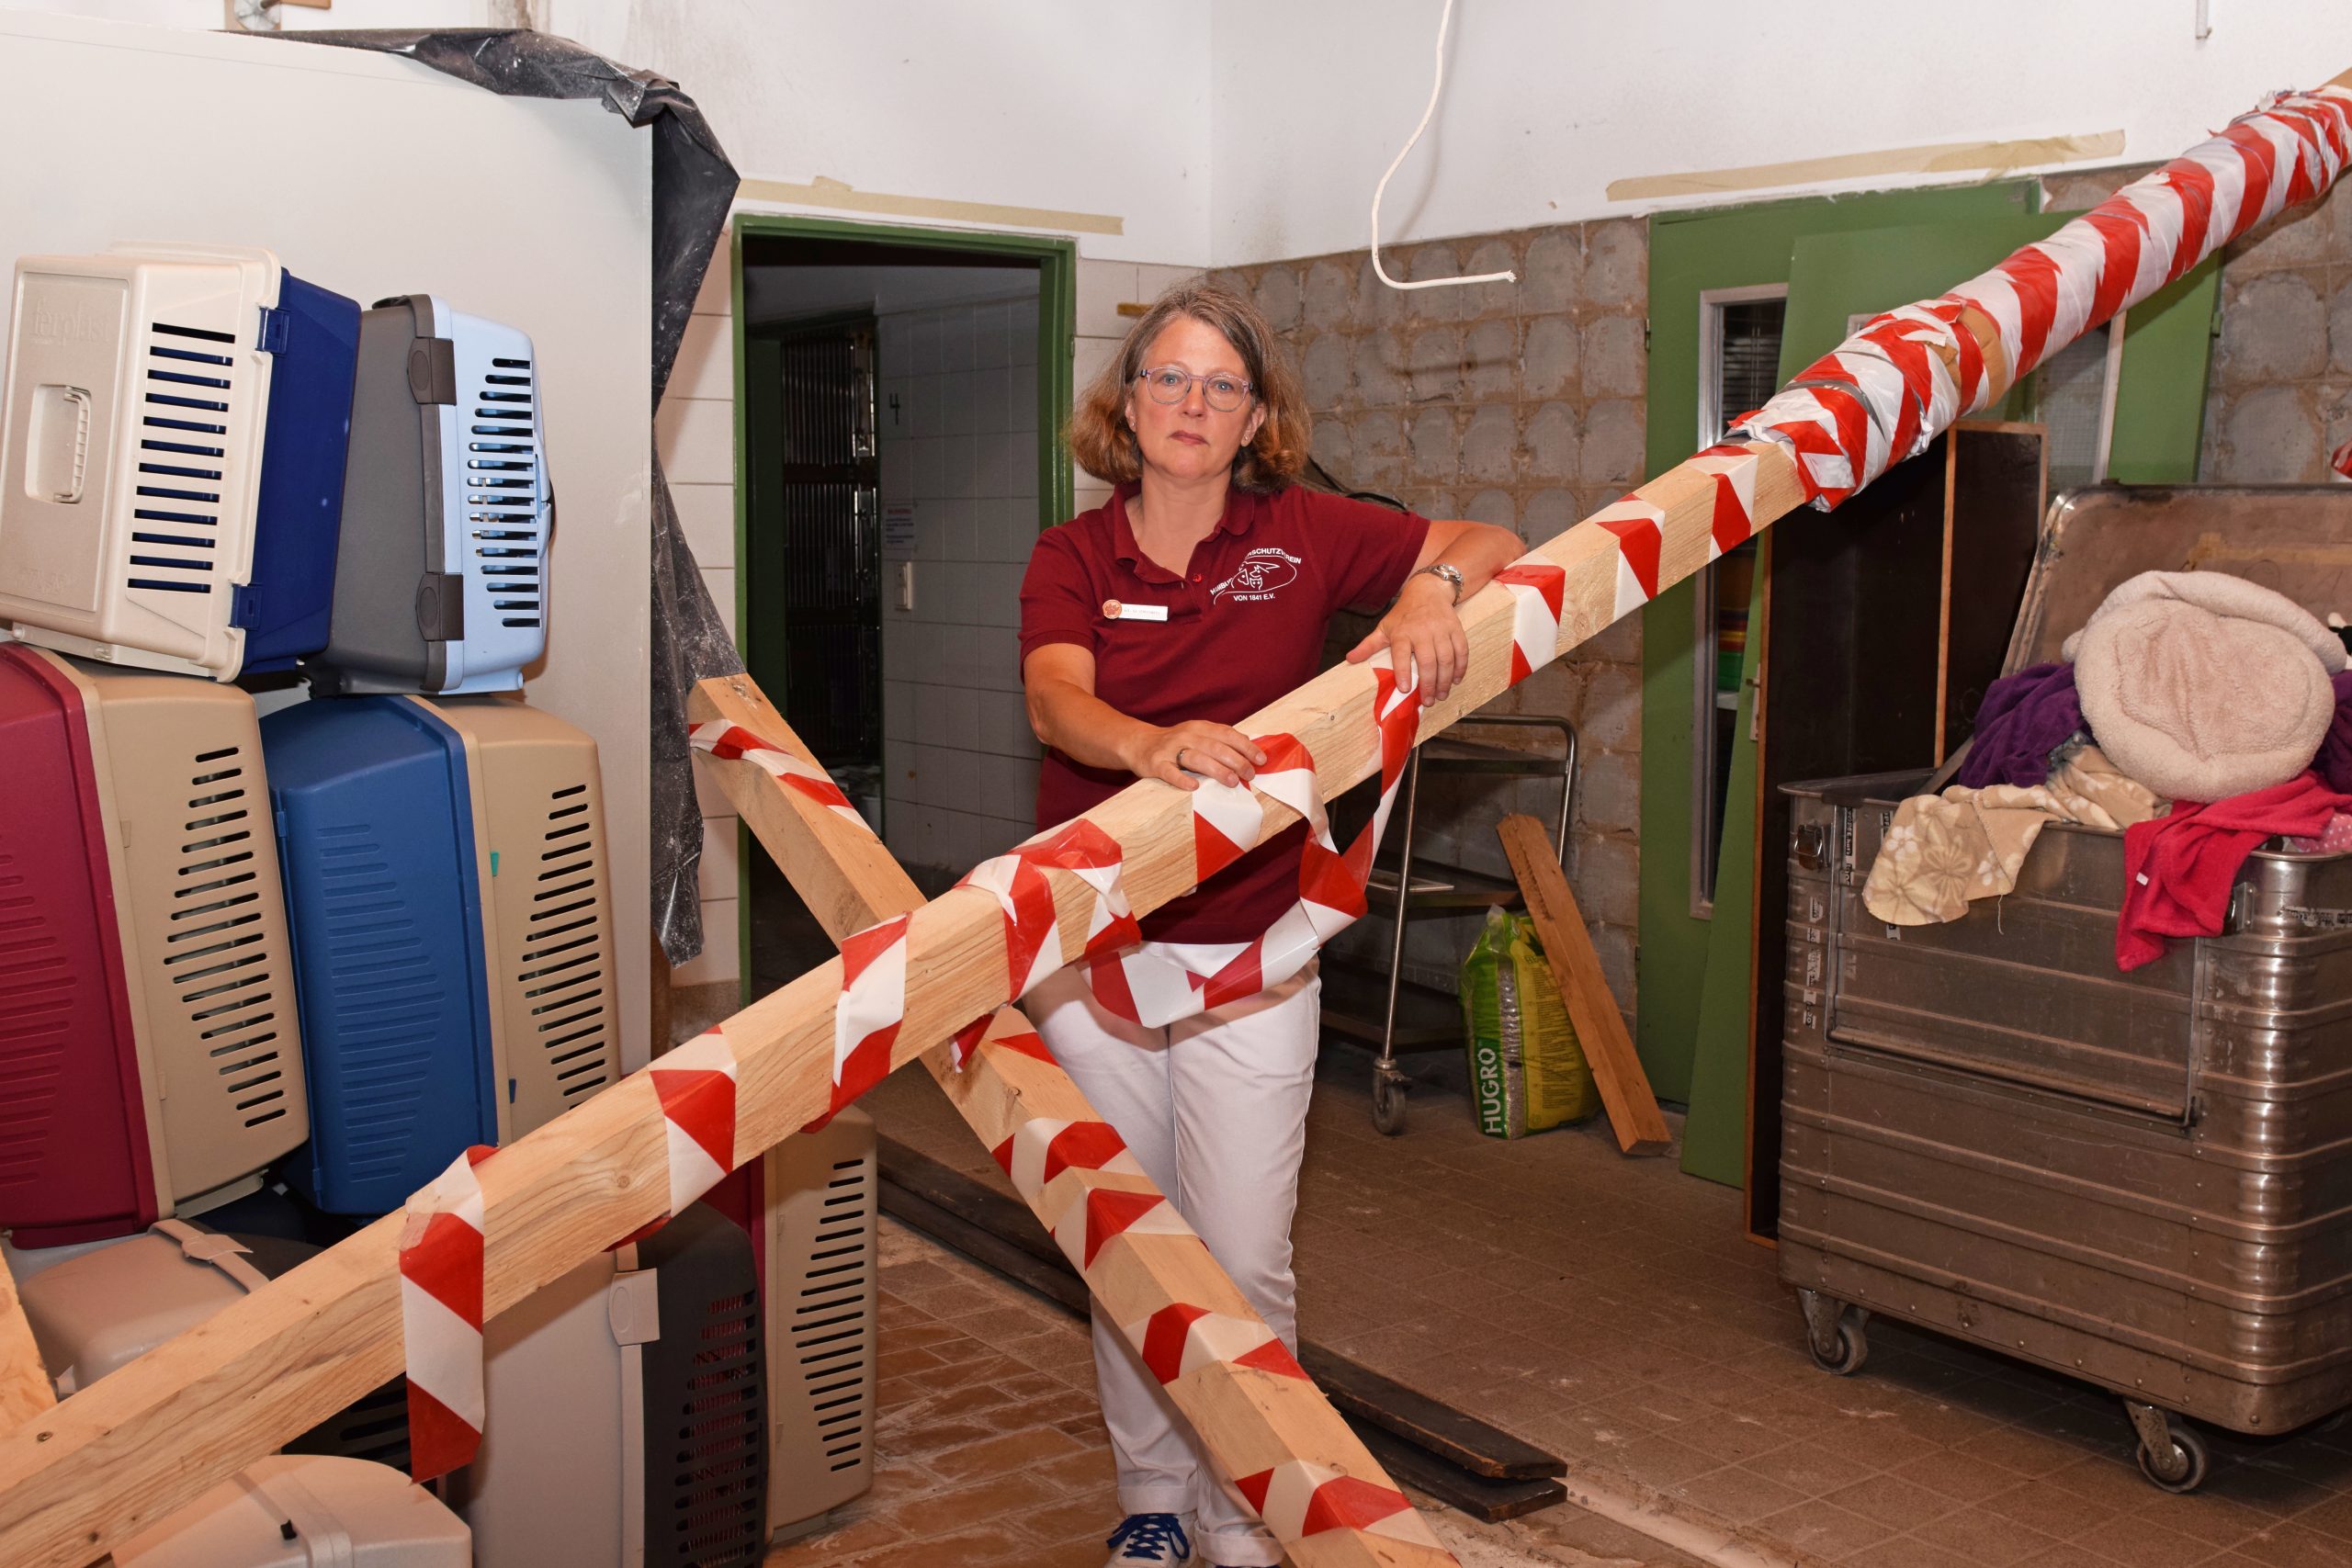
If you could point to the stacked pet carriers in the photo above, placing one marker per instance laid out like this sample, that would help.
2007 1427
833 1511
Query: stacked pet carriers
146 947
452 933
175 422
443 580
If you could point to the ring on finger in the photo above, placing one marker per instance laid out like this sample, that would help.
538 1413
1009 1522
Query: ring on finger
1180 757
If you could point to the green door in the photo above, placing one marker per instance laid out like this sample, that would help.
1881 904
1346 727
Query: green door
1692 256
2159 411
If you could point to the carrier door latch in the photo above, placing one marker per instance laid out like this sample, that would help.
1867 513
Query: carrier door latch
432 370
441 606
277 331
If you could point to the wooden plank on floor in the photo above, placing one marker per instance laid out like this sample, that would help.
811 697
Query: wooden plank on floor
1625 1092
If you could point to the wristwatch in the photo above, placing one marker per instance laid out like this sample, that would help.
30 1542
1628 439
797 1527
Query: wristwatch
1451 574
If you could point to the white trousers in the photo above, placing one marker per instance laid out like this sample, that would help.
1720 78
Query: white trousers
1214 1108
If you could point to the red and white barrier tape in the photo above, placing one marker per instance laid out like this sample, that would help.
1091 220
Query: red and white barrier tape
696 1086
441 1317
1297 1500
1889 390
730 742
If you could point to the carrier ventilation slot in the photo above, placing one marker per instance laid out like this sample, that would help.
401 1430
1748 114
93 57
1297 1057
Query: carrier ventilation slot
392 1010
718 1440
566 972
38 988
502 502
184 439
832 1328
218 960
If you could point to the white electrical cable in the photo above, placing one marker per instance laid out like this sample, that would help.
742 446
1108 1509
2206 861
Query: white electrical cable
1436 87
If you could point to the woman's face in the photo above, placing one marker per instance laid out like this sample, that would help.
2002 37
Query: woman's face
1187 439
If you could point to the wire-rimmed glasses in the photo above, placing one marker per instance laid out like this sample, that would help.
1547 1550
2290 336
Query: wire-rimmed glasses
1170 383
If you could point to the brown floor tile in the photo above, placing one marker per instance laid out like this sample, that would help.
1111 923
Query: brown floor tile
1906 1551
1895 1502
1986 1539
967 1549
1008 1454
1824 1531
1736 1494
2291 1546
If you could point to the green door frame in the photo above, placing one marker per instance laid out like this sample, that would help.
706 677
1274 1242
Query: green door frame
1691 253
1056 262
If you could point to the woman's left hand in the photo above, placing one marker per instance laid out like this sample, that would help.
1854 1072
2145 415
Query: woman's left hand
1424 636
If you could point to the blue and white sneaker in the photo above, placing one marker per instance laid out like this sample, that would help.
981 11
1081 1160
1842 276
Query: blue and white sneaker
1148 1538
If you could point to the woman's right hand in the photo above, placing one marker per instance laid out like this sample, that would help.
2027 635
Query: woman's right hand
1175 754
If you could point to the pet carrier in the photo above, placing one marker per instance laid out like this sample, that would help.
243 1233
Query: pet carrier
146 946
171 477
308 1512
95 1306
452 935
819 1295
442 584
624 1412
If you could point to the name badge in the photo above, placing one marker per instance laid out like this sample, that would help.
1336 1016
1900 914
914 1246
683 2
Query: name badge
1112 610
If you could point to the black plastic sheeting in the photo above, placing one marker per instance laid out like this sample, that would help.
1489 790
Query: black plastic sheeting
693 183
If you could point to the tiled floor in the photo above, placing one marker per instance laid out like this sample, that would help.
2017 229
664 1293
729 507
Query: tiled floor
1610 1309
992 1454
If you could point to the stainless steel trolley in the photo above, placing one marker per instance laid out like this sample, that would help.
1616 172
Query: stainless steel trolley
2141 1180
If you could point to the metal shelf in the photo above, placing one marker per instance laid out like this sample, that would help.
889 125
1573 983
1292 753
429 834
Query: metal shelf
1355 1000
1437 887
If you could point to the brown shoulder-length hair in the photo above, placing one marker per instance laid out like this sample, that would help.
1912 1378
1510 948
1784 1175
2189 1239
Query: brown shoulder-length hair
1102 445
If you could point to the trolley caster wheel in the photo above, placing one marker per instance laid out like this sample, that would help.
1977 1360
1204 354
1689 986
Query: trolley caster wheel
1388 1103
2171 1454
1834 1333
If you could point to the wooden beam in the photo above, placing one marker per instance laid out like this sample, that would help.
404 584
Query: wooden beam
1250 1417
140 1442
135 1445
1576 969
25 1388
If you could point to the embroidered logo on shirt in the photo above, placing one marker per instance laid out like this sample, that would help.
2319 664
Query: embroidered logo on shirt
1261 573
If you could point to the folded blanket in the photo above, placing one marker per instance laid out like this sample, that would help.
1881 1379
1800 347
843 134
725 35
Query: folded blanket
1943 851
2023 719
2202 685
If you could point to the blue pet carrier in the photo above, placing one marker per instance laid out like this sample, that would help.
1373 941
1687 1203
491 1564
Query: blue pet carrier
450 921
442 584
171 481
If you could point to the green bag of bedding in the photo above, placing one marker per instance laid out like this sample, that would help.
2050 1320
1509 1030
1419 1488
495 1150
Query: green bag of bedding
1527 1071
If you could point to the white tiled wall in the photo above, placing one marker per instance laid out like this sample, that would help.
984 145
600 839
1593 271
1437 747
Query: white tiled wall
695 432
959 404
951 638
1103 287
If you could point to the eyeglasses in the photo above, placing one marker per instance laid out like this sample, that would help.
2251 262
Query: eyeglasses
1170 383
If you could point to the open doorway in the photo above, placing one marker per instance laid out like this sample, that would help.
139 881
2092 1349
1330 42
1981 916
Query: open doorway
902 395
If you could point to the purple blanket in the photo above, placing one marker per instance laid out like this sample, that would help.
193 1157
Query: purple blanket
2333 763
2027 716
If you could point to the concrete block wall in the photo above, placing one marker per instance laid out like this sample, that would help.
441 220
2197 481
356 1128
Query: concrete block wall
1517 404
2278 399
958 408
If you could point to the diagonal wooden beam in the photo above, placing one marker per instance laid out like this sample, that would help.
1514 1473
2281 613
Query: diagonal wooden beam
25 1388
1253 1407
117 1455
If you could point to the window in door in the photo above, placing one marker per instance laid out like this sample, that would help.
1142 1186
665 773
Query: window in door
1739 362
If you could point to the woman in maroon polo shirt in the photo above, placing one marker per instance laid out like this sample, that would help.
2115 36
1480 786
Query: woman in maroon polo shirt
1149 626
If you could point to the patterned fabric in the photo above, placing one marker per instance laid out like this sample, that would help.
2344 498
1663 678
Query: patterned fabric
1945 851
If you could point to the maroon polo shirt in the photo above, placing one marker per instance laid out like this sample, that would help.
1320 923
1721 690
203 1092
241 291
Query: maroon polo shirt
1246 623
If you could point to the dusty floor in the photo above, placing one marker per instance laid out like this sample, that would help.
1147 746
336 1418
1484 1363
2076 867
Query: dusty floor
992 1454
1609 1310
